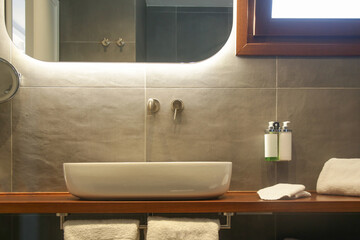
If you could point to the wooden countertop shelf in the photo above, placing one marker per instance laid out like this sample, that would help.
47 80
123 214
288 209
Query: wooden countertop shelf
231 202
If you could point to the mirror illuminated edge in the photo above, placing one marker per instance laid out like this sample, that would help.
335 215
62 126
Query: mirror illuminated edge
221 13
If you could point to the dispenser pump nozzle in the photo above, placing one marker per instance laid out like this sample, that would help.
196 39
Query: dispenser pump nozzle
285 124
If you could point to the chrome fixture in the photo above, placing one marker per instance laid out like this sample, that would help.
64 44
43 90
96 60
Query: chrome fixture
177 106
105 42
62 219
227 224
120 43
153 105
228 216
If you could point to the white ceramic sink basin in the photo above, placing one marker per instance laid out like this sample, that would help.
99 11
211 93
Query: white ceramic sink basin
148 180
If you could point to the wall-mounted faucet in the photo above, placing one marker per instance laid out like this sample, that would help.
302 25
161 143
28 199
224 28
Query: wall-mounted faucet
153 105
177 106
105 42
120 42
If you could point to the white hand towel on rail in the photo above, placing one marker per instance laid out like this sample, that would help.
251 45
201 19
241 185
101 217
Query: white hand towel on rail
340 176
111 229
160 228
283 191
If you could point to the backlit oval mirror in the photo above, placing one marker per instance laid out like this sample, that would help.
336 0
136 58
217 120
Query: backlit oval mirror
9 81
119 30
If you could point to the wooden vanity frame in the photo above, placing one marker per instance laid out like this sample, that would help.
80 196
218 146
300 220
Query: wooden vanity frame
63 202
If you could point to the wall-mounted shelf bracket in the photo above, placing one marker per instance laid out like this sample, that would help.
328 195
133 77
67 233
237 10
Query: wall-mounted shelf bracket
62 219
227 225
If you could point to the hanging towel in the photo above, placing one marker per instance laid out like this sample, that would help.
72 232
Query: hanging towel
112 229
283 191
182 229
340 176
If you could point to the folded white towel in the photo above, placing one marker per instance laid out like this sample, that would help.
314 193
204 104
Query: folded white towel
112 229
283 191
182 229
340 176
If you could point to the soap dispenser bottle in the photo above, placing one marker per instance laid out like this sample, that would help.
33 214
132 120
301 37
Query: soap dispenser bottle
272 142
285 142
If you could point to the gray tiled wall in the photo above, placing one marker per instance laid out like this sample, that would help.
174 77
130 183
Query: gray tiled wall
216 125
186 34
223 120
5 147
56 125
82 28
323 123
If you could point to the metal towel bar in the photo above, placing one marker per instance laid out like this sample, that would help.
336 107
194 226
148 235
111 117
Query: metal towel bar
227 225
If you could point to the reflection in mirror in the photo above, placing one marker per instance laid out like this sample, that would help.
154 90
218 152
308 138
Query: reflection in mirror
120 30
9 81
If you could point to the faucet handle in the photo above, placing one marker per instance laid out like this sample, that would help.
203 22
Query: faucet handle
120 43
153 105
105 42
177 106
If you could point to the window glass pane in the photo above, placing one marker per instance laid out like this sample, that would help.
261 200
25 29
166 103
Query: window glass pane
18 23
316 9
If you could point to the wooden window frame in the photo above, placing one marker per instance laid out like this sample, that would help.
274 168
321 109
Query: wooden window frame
269 42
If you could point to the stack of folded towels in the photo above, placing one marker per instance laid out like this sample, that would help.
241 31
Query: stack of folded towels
111 229
340 176
283 191
158 229
182 229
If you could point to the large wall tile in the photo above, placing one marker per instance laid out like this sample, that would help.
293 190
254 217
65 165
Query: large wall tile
4 47
319 72
95 52
5 147
37 73
185 34
311 226
325 124
250 227
201 34
87 20
56 125
161 34
6 227
36 227
216 125
219 71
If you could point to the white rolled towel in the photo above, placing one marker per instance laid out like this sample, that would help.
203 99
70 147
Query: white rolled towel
109 229
160 228
283 191
340 176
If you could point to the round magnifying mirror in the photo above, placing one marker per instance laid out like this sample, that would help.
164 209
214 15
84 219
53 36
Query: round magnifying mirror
9 81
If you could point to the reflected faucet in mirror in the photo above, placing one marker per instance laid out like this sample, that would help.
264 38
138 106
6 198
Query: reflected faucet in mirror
120 43
105 42
141 30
